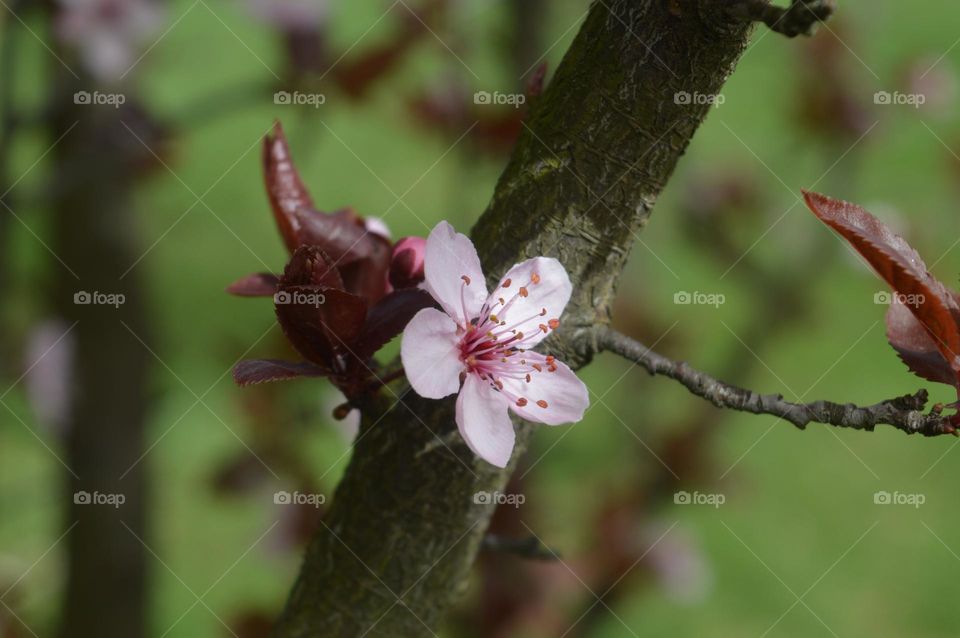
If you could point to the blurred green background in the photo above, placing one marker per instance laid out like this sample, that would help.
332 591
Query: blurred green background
798 548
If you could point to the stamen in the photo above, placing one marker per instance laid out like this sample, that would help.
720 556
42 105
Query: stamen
523 292
542 403
506 283
535 278
554 323
521 402
466 279
543 327
536 366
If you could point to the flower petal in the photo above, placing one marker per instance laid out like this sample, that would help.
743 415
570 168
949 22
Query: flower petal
484 421
564 395
431 355
449 257
534 292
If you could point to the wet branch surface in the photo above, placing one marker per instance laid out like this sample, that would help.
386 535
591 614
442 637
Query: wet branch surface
905 413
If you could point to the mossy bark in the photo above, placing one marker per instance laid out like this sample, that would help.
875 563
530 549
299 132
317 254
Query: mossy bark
396 547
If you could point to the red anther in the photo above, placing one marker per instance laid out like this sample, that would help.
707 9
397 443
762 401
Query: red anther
523 292
528 377
543 312
521 402
466 279
552 368
536 366
498 383
542 403
535 278
506 283
554 323
543 327
550 359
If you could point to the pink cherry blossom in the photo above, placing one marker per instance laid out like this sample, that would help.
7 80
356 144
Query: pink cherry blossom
485 340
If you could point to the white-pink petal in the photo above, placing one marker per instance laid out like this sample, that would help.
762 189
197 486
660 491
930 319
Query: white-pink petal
547 287
484 421
430 351
449 257
565 395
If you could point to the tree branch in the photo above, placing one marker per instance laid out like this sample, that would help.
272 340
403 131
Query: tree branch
397 545
797 19
525 547
904 413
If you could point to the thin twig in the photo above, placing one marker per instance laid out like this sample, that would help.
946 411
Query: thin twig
525 547
797 19
904 413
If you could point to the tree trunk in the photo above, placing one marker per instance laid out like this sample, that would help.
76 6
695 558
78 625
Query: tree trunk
93 226
397 545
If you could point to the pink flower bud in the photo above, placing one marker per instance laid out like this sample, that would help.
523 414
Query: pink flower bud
406 264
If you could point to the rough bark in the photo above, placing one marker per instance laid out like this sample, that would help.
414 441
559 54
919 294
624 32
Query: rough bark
396 547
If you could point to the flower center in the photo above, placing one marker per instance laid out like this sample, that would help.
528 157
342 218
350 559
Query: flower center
493 345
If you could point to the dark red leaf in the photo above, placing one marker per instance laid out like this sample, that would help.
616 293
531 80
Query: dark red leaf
389 317
321 323
259 284
931 303
285 189
253 371
311 266
341 235
915 346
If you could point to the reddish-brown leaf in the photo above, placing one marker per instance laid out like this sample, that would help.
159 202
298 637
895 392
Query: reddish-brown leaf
253 371
916 347
389 317
931 303
259 284
284 187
